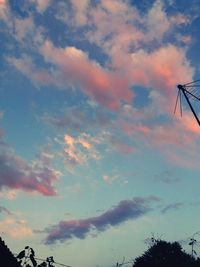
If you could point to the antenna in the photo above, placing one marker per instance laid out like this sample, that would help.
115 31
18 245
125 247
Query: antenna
189 92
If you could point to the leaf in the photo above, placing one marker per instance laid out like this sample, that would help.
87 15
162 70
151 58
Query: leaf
21 255
32 252
34 262
51 259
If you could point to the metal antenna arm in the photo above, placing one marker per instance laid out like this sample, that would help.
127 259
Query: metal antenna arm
188 101
192 94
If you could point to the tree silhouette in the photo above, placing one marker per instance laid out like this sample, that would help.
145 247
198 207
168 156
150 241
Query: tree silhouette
166 254
26 258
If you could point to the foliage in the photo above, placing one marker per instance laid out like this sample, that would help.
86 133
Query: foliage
27 257
166 254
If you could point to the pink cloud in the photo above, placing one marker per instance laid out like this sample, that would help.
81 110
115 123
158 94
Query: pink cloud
80 11
180 19
129 63
114 29
161 69
176 140
106 179
3 10
3 2
23 27
109 179
8 194
115 7
29 69
189 123
121 146
157 21
16 229
185 39
16 174
140 128
42 5
105 87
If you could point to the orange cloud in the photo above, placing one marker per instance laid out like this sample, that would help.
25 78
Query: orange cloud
16 229
3 2
80 149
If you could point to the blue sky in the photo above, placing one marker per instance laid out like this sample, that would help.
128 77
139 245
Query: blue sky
92 158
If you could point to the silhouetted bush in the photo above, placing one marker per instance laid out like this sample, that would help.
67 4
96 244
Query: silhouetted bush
166 254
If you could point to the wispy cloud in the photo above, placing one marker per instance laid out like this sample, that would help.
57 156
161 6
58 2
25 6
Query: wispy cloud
18 174
74 67
172 206
3 209
125 210
76 118
15 228
42 5
167 177
78 150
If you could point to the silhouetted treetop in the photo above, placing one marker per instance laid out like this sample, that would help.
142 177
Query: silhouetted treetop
166 254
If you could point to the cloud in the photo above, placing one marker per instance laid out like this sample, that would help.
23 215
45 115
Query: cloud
25 65
80 11
158 69
167 177
1 115
133 50
23 27
173 206
74 189
122 146
176 138
157 21
109 179
14 226
15 229
17 174
106 179
125 210
3 9
161 70
80 149
8 193
3 209
2 2
74 67
77 118
42 5
116 28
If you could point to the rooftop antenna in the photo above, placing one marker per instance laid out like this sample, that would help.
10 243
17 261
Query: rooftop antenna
189 91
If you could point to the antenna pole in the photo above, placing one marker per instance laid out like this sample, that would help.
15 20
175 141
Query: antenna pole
181 87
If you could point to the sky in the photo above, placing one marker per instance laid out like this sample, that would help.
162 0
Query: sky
93 159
